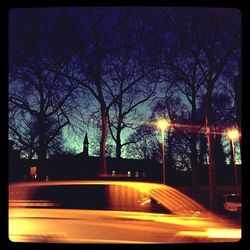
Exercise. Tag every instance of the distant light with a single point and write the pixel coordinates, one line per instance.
(233, 134)
(163, 124)
(219, 233)
(224, 233)
(33, 172)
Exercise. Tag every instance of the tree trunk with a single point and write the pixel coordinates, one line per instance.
(118, 144)
(211, 172)
(169, 159)
(194, 164)
(103, 168)
(211, 155)
(194, 160)
(220, 156)
(42, 150)
(203, 150)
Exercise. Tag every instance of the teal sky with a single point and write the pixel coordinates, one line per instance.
(74, 141)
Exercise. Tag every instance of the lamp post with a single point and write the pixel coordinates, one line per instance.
(163, 125)
(233, 134)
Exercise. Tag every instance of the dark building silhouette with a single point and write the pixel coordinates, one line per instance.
(83, 166)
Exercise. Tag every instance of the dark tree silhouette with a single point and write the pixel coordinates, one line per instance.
(97, 49)
(91, 35)
(133, 81)
(116, 56)
(38, 95)
(211, 36)
(143, 143)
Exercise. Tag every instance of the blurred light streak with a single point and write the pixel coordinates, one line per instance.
(224, 233)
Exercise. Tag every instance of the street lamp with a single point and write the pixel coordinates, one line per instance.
(163, 125)
(232, 135)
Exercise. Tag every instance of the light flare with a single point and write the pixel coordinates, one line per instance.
(233, 134)
(163, 124)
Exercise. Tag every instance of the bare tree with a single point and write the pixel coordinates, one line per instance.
(38, 99)
(211, 35)
(130, 89)
(172, 108)
(97, 40)
(91, 34)
(183, 72)
(144, 144)
(38, 95)
(234, 90)
(217, 55)
(24, 134)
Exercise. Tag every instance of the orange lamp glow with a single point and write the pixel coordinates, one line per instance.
(163, 124)
(233, 134)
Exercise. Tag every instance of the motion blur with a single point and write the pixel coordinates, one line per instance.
(111, 212)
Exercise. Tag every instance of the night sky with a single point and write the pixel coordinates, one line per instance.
(42, 34)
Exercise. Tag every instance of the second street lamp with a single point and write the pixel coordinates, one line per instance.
(163, 125)
(233, 134)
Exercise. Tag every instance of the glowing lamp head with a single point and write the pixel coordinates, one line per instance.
(233, 134)
(163, 124)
